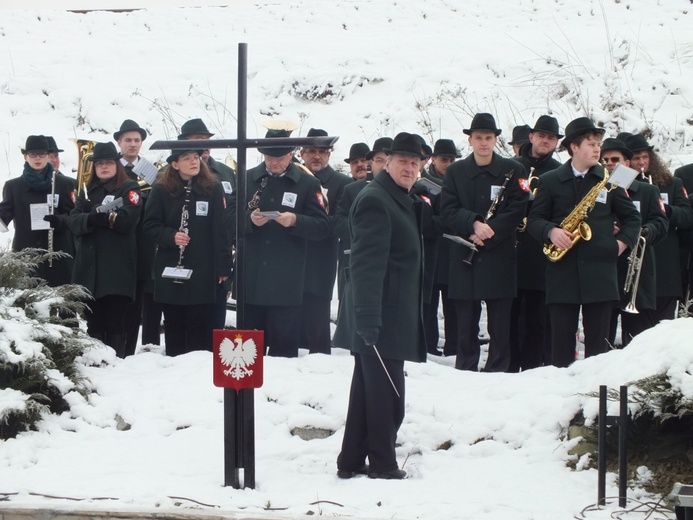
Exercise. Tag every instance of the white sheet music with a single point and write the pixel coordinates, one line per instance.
(37, 212)
(146, 170)
(622, 176)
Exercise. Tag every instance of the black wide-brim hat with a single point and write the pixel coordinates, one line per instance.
(483, 122)
(380, 145)
(130, 126)
(175, 154)
(104, 152)
(638, 143)
(578, 127)
(445, 148)
(520, 135)
(36, 143)
(317, 132)
(276, 151)
(194, 127)
(406, 144)
(357, 150)
(426, 150)
(618, 145)
(52, 145)
(547, 125)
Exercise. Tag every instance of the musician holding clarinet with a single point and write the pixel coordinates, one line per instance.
(185, 217)
(483, 200)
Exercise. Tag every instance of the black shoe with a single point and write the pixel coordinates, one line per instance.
(435, 352)
(395, 474)
(343, 473)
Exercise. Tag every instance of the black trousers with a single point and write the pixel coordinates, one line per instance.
(564, 319)
(280, 324)
(146, 311)
(151, 319)
(666, 308)
(634, 324)
(374, 415)
(315, 324)
(528, 330)
(219, 313)
(133, 317)
(106, 321)
(430, 319)
(498, 325)
(187, 328)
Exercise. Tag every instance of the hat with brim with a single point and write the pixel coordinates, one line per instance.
(578, 127)
(547, 125)
(426, 150)
(130, 126)
(194, 127)
(623, 136)
(175, 154)
(276, 151)
(52, 145)
(406, 144)
(356, 151)
(36, 143)
(445, 148)
(638, 143)
(612, 144)
(520, 135)
(380, 145)
(317, 132)
(104, 152)
(483, 122)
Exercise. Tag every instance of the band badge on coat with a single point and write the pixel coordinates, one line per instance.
(665, 198)
(134, 197)
(601, 197)
(495, 190)
(227, 187)
(56, 199)
(289, 199)
(637, 205)
(107, 199)
(201, 208)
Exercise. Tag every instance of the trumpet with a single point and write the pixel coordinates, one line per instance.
(533, 192)
(635, 260)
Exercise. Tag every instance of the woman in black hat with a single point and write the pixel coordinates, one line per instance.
(104, 222)
(184, 216)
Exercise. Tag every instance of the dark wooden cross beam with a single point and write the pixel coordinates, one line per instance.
(239, 425)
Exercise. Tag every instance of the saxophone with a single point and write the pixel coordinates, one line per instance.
(575, 221)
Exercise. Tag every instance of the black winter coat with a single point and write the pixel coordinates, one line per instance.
(466, 198)
(106, 261)
(587, 273)
(340, 227)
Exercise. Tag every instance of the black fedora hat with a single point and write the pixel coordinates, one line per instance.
(406, 144)
(36, 143)
(638, 143)
(276, 151)
(445, 148)
(193, 127)
(520, 135)
(618, 145)
(130, 126)
(548, 125)
(623, 136)
(175, 154)
(483, 122)
(104, 152)
(380, 145)
(425, 149)
(52, 145)
(578, 127)
(357, 150)
(317, 132)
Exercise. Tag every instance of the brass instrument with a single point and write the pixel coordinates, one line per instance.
(85, 149)
(533, 192)
(575, 223)
(635, 260)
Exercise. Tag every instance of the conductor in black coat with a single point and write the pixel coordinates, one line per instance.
(586, 276)
(470, 188)
(382, 322)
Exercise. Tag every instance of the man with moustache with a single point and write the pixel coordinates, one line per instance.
(381, 322)
(358, 164)
(654, 227)
(471, 188)
(585, 279)
(321, 266)
(529, 319)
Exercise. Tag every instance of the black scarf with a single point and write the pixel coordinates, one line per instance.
(38, 180)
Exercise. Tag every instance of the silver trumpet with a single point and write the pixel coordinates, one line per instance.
(635, 261)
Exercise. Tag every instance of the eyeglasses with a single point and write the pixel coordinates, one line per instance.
(316, 151)
(34, 155)
(612, 159)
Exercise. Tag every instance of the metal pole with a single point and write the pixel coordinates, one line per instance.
(623, 448)
(601, 443)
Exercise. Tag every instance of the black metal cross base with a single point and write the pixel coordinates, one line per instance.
(239, 407)
(621, 421)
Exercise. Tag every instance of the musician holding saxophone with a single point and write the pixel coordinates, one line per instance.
(573, 214)
(33, 192)
(483, 201)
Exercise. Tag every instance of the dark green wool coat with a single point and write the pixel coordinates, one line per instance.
(587, 273)
(340, 227)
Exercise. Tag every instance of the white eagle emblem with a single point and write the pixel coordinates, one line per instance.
(238, 357)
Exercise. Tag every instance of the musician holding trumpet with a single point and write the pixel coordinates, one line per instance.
(573, 214)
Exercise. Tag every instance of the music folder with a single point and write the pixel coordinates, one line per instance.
(177, 273)
(622, 176)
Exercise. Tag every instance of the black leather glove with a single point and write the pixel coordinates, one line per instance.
(369, 335)
(645, 232)
(54, 220)
(87, 206)
(98, 219)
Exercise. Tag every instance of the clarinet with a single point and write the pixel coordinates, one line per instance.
(51, 231)
(491, 211)
(184, 215)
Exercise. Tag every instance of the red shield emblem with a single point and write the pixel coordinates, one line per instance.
(321, 199)
(134, 197)
(661, 206)
(426, 200)
(524, 184)
(73, 196)
(685, 193)
(238, 358)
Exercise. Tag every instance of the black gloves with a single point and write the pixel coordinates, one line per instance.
(644, 232)
(98, 220)
(87, 206)
(369, 335)
(54, 220)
